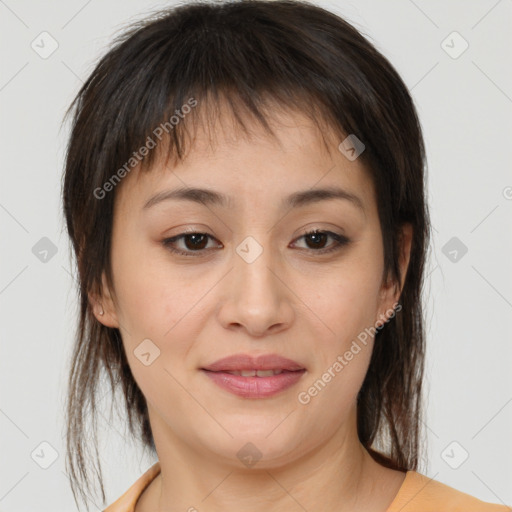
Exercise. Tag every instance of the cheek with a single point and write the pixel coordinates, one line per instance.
(348, 308)
(144, 286)
(348, 300)
(347, 305)
(157, 303)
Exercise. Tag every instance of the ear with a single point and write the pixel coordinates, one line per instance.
(390, 291)
(102, 302)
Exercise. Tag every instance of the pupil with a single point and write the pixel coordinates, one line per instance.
(194, 239)
(319, 237)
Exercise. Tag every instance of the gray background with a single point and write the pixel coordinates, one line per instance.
(465, 106)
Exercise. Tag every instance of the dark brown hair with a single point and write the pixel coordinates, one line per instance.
(255, 55)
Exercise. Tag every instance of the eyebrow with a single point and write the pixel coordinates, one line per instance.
(295, 200)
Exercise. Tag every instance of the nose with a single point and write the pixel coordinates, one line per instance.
(256, 297)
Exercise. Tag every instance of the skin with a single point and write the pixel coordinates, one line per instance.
(291, 300)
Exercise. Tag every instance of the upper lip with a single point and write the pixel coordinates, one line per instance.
(247, 362)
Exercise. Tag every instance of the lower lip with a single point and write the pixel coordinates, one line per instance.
(255, 387)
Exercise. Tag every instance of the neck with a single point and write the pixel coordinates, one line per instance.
(339, 476)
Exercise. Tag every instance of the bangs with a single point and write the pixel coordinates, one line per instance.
(174, 135)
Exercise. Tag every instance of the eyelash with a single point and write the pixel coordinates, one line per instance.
(340, 240)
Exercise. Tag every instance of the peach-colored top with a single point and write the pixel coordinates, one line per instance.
(418, 493)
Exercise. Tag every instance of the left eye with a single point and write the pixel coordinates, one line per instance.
(197, 242)
(318, 238)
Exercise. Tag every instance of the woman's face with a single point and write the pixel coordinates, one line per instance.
(252, 285)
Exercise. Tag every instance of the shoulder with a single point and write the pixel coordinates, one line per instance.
(126, 503)
(420, 493)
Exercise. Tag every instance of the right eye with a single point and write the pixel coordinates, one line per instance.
(194, 242)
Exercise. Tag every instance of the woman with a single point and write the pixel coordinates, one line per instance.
(244, 191)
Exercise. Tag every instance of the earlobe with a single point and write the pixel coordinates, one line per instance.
(103, 306)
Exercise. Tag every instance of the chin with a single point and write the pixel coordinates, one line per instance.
(256, 444)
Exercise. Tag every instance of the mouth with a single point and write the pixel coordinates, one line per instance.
(254, 377)
(255, 373)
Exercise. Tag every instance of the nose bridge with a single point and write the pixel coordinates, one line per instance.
(253, 261)
(258, 300)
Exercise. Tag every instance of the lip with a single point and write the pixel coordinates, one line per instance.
(254, 387)
(240, 362)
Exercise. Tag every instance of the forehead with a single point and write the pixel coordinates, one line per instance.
(250, 165)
